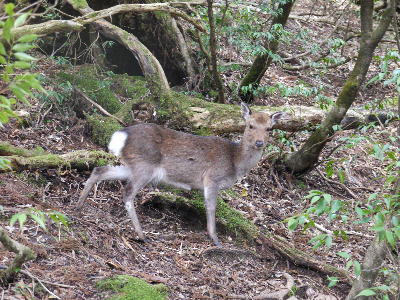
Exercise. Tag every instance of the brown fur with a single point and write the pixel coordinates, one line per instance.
(152, 153)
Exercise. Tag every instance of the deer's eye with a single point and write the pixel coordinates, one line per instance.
(251, 126)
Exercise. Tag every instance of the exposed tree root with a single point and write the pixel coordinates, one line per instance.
(301, 258)
(24, 254)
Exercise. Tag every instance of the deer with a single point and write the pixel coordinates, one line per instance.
(153, 154)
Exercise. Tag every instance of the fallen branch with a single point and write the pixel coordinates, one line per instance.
(24, 254)
(99, 107)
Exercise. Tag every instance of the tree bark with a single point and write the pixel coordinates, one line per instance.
(213, 53)
(304, 159)
(262, 62)
(374, 257)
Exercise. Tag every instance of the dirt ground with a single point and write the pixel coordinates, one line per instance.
(100, 241)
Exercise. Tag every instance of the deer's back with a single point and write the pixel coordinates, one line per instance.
(184, 157)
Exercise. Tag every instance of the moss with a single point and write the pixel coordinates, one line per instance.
(102, 128)
(203, 131)
(132, 288)
(129, 86)
(232, 221)
(7, 149)
(94, 85)
(79, 4)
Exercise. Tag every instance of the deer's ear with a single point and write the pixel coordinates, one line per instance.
(246, 112)
(275, 117)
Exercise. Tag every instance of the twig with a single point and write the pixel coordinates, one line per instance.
(323, 229)
(99, 107)
(338, 183)
(45, 281)
(41, 283)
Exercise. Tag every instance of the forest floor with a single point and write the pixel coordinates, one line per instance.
(100, 240)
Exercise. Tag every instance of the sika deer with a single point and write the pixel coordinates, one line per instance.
(152, 153)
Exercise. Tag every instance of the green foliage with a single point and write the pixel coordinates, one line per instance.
(14, 61)
(132, 288)
(381, 211)
(39, 217)
(392, 78)
(285, 91)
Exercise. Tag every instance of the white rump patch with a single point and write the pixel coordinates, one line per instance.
(117, 142)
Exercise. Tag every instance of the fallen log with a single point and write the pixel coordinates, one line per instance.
(79, 160)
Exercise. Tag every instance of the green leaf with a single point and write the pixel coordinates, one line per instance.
(2, 60)
(328, 241)
(19, 93)
(2, 49)
(59, 218)
(366, 292)
(9, 9)
(20, 217)
(390, 238)
(22, 64)
(39, 219)
(359, 211)
(345, 255)
(27, 38)
(357, 268)
(6, 33)
(21, 20)
(332, 281)
(315, 199)
(383, 287)
(292, 223)
(22, 47)
(336, 205)
(24, 56)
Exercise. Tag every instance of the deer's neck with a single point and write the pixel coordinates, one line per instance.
(246, 158)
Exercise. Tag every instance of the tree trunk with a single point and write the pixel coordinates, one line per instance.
(150, 66)
(262, 62)
(371, 267)
(305, 159)
(213, 53)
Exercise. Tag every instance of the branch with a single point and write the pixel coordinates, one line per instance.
(47, 28)
(309, 65)
(24, 254)
(99, 107)
(164, 7)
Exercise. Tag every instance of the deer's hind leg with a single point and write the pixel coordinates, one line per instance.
(141, 176)
(100, 174)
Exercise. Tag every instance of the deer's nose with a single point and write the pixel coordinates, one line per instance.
(259, 144)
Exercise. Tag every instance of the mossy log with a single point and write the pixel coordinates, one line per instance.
(6, 150)
(228, 219)
(80, 160)
(24, 254)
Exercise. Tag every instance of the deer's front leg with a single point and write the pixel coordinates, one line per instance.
(210, 197)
